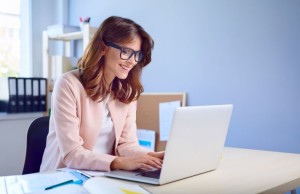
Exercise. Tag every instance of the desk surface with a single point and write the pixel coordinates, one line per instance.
(242, 171)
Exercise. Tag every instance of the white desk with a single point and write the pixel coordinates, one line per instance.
(242, 171)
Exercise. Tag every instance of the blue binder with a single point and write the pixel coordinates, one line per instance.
(12, 88)
(28, 95)
(35, 94)
(43, 94)
(21, 94)
(4, 95)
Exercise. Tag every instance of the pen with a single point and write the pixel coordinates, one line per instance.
(83, 174)
(59, 184)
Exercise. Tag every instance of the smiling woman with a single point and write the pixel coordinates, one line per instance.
(120, 48)
(93, 117)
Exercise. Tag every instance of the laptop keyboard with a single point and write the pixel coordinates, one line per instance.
(151, 174)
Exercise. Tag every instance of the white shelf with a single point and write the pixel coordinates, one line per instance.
(85, 35)
(74, 35)
(68, 36)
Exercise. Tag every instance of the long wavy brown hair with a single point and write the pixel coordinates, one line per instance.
(91, 64)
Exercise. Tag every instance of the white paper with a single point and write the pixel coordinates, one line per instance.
(66, 189)
(111, 186)
(166, 112)
(146, 138)
(93, 173)
(36, 182)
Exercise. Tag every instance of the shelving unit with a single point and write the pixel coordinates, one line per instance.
(85, 35)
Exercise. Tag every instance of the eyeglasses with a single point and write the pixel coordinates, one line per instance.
(127, 53)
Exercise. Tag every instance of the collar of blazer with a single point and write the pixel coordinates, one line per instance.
(119, 113)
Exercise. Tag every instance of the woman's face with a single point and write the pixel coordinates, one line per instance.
(114, 66)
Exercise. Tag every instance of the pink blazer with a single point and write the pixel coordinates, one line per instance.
(75, 124)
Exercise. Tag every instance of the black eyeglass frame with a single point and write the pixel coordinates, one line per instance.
(133, 52)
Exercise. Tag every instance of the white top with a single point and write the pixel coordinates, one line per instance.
(106, 139)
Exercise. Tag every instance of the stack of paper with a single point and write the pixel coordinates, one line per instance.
(66, 182)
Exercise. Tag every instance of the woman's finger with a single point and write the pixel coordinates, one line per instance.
(145, 166)
(154, 162)
(159, 155)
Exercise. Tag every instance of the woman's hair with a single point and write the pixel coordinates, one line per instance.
(91, 64)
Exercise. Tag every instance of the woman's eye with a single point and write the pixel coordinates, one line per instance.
(127, 51)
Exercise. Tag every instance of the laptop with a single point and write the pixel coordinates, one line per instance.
(195, 145)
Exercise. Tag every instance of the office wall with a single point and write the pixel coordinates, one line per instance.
(242, 52)
(13, 131)
(43, 14)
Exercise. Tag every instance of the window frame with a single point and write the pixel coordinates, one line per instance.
(25, 39)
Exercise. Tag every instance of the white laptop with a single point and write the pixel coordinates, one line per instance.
(195, 145)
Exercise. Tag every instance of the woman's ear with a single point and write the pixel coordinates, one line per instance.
(104, 48)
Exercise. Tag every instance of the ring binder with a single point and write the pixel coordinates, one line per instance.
(12, 87)
(21, 94)
(4, 95)
(35, 95)
(43, 94)
(28, 95)
(24, 95)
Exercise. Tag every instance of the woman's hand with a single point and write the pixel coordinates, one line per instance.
(148, 162)
(157, 154)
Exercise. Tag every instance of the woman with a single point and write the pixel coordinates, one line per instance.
(93, 111)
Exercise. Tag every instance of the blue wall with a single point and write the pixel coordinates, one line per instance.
(242, 52)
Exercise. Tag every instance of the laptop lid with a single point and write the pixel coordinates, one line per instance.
(196, 141)
(195, 144)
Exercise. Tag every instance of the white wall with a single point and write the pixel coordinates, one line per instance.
(45, 13)
(241, 52)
